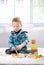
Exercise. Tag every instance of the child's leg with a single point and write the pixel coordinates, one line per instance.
(8, 51)
(24, 50)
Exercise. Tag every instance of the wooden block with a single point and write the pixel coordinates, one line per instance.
(33, 41)
(34, 50)
(13, 54)
(34, 46)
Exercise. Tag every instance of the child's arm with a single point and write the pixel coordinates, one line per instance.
(10, 40)
(23, 44)
(19, 47)
(25, 37)
(24, 41)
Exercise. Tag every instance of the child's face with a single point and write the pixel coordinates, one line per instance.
(16, 26)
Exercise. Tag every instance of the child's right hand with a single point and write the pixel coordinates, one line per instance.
(13, 48)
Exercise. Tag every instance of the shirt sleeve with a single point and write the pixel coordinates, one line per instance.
(25, 37)
(10, 40)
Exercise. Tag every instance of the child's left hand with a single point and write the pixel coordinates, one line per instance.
(19, 47)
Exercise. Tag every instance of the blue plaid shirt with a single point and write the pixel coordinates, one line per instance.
(17, 39)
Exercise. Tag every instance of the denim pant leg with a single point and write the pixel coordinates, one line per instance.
(24, 50)
(8, 51)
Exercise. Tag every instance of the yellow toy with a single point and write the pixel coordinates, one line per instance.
(34, 48)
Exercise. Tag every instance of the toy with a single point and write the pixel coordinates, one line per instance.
(34, 48)
(19, 55)
(16, 52)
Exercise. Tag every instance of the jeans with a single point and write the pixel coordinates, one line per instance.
(23, 50)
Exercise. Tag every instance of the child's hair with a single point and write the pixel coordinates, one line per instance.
(16, 19)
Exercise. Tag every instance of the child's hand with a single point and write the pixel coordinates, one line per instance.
(13, 48)
(19, 47)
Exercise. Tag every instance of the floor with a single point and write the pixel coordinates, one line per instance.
(9, 60)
